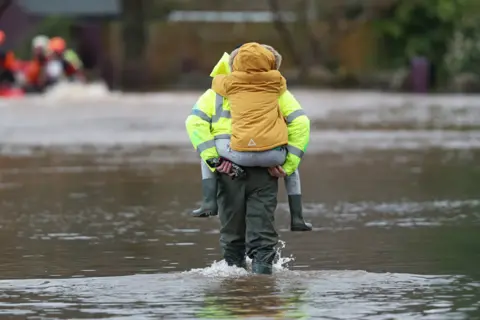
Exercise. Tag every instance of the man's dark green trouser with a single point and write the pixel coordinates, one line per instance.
(246, 210)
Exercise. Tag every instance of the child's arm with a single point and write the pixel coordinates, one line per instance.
(198, 126)
(298, 126)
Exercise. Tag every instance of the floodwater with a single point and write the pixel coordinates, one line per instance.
(95, 191)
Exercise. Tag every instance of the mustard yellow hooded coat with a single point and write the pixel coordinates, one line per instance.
(253, 89)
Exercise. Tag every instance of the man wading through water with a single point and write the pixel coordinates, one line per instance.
(268, 128)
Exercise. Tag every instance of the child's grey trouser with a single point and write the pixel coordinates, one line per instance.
(270, 158)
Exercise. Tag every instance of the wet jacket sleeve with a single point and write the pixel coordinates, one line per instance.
(198, 126)
(298, 126)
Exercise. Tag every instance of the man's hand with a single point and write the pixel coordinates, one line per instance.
(277, 172)
(225, 167)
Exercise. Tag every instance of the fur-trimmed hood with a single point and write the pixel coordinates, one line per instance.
(224, 65)
(276, 55)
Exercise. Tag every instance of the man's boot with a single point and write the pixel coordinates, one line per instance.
(235, 258)
(241, 263)
(209, 203)
(296, 214)
(261, 267)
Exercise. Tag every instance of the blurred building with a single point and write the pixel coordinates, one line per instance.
(180, 40)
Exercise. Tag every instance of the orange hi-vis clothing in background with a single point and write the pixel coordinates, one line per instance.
(7, 61)
(34, 72)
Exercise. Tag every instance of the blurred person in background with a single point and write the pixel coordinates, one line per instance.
(40, 47)
(36, 78)
(52, 61)
(8, 66)
(71, 64)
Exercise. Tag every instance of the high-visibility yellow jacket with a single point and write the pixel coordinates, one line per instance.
(210, 119)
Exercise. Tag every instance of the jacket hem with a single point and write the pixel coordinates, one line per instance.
(258, 149)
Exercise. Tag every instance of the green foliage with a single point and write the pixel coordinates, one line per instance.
(421, 28)
(464, 49)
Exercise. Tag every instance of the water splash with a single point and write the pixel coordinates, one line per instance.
(281, 263)
(68, 91)
(220, 269)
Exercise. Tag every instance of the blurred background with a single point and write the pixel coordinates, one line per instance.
(401, 45)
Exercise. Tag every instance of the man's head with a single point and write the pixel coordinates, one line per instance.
(57, 46)
(40, 42)
(253, 55)
(222, 66)
(40, 47)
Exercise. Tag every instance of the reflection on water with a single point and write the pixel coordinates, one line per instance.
(94, 223)
(288, 295)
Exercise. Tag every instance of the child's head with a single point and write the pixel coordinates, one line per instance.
(255, 57)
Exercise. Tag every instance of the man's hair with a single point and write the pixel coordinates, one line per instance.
(278, 56)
